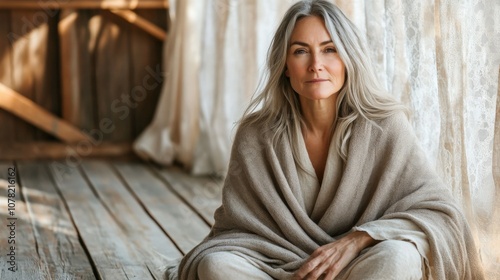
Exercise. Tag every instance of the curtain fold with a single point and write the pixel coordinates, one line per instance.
(213, 59)
(439, 57)
(174, 131)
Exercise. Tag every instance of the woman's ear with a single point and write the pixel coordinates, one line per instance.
(287, 74)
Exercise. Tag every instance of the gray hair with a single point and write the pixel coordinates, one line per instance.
(360, 96)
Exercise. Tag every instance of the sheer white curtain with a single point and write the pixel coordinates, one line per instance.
(442, 59)
(439, 57)
(214, 55)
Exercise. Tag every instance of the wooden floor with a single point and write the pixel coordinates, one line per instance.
(99, 219)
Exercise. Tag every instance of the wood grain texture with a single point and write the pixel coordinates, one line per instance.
(56, 237)
(113, 78)
(109, 246)
(101, 219)
(85, 4)
(28, 263)
(76, 48)
(73, 153)
(202, 193)
(145, 51)
(8, 123)
(147, 238)
(181, 223)
(31, 112)
(5, 48)
(101, 60)
(34, 73)
(22, 76)
(44, 66)
(133, 18)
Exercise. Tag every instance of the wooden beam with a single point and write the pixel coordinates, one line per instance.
(29, 111)
(142, 23)
(53, 150)
(84, 4)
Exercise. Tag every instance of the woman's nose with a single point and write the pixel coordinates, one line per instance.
(316, 64)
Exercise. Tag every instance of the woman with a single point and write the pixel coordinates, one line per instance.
(326, 179)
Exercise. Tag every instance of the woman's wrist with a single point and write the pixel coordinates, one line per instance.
(363, 240)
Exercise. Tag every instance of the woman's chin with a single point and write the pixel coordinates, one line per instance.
(318, 95)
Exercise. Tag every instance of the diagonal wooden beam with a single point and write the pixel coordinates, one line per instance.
(142, 23)
(29, 111)
(84, 4)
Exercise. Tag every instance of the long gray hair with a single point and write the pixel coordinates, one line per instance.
(361, 95)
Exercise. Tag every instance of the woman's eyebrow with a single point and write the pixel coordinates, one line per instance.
(307, 45)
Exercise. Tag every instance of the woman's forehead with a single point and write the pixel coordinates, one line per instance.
(310, 29)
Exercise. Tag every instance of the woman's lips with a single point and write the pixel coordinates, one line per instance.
(317, 81)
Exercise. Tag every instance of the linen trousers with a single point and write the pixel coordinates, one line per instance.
(389, 259)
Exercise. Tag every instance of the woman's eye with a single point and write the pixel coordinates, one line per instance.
(331, 50)
(299, 51)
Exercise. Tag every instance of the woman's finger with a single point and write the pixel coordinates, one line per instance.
(332, 272)
(321, 268)
(319, 260)
(307, 267)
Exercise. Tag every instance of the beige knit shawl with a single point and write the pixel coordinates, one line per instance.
(386, 177)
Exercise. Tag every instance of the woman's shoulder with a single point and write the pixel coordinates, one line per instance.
(394, 125)
(394, 121)
(252, 127)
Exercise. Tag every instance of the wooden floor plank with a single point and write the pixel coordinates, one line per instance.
(122, 215)
(203, 193)
(54, 232)
(181, 223)
(111, 249)
(26, 262)
(56, 150)
(142, 231)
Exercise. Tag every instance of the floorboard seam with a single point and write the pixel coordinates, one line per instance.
(127, 186)
(173, 190)
(80, 239)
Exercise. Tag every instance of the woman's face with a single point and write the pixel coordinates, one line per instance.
(313, 64)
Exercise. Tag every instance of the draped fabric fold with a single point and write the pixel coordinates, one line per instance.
(439, 57)
(386, 178)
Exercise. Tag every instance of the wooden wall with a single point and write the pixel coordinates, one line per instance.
(85, 66)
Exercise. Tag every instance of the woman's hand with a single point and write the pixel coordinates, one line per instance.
(328, 260)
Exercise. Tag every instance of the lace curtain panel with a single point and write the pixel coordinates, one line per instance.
(441, 58)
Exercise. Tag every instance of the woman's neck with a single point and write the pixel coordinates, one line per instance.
(319, 116)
